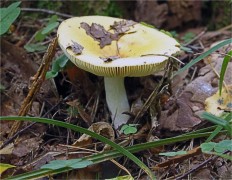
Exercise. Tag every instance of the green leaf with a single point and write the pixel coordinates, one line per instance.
(188, 37)
(207, 147)
(205, 54)
(62, 60)
(226, 144)
(51, 74)
(57, 65)
(225, 156)
(49, 28)
(219, 121)
(53, 19)
(173, 153)
(128, 129)
(8, 16)
(34, 47)
(220, 147)
(72, 163)
(225, 63)
(39, 36)
(4, 167)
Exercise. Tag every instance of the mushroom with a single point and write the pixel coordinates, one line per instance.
(135, 50)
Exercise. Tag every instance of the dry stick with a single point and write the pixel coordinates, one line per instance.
(196, 168)
(152, 96)
(195, 38)
(225, 28)
(37, 83)
(46, 11)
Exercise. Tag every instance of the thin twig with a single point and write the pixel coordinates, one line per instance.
(152, 96)
(225, 28)
(197, 37)
(46, 11)
(36, 84)
(197, 167)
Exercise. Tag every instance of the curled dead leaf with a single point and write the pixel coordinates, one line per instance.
(122, 26)
(102, 128)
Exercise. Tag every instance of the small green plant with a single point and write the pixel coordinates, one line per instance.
(41, 35)
(4, 167)
(8, 16)
(57, 66)
(222, 146)
(129, 129)
(72, 111)
(218, 148)
(188, 37)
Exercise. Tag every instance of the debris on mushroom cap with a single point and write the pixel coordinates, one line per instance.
(122, 26)
(217, 104)
(76, 48)
(98, 33)
(109, 59)
(138, 40)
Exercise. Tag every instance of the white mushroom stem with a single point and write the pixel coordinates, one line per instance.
(116, 99)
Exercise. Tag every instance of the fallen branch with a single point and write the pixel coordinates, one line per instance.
(38, 80)
(46, 11)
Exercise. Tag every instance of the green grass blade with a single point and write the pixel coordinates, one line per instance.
(90, 133)
(219, 121)
(205, 54)
(214, 133)
(225, 63)
(104, 156)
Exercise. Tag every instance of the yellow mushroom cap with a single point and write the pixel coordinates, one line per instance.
(136, 50)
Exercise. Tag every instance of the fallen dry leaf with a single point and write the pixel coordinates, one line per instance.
(179, 158)
(86, 117)
(7, 150)
(26, 145)
(76, 48)
(123, 26)
(98, 33)
(102, 128)
(104, 37)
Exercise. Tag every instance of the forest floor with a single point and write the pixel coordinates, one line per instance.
(179, 102)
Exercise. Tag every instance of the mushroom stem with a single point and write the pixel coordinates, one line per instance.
(116, 99)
